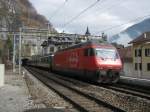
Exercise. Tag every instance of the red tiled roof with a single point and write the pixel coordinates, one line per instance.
(142, 38)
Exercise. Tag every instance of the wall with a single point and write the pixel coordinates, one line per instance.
(144, 60)
(128, 69)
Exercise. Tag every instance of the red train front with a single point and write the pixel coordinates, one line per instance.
(90, 60)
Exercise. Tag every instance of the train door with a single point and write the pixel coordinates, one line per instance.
(88, 61)
(86, 58)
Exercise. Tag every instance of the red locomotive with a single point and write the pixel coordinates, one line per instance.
(91, 60)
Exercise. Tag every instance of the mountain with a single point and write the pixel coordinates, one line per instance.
(131, 33)
(30, 17)
(16, 13)
(13, 15)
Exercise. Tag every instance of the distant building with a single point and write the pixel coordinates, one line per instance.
(118, 46)
(126, 58)
(87, 33)
(141, 55)
(64, 40)
(104, 36)
(58, 41)
(31, 46)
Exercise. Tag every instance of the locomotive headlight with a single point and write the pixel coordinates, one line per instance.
(103, 72)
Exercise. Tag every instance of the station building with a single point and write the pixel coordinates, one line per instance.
(141, 56)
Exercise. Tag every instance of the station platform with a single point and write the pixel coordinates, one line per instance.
(14, 95)
(135, 81)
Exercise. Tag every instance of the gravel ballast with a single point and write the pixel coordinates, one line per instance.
(42, 94)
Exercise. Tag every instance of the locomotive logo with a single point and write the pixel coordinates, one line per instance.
(73, 59)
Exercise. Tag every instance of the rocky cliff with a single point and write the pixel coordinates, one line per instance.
(30, 16)
(15, 13)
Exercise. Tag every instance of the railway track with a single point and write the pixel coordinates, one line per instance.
(139, 91)
(80, 99)
(134, 90)
(130, 89)
(125, 88)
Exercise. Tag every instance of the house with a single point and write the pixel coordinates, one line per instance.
(57, 42)
(31, 46)
(141, 55)
(63, 40)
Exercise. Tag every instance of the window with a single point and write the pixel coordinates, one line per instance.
(135, 52)
(89, 52)
(136, 66)
(107, 53)
(52, 49)
(138, 52)
(148, 66)
(140, 66)
(147, 52)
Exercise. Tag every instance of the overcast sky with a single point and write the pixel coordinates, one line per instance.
(104, 15)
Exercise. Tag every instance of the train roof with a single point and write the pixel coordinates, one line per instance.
(40, 56)
(90, 42)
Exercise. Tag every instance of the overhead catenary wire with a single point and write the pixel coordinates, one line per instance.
(102, 9)
(58, 9)
(83, 11)
(116, 26)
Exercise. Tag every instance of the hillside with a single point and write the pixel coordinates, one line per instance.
(13, 15)
(30, 17)
(132, 32)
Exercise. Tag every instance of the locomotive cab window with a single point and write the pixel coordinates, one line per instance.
(107, 53)
(89, 52)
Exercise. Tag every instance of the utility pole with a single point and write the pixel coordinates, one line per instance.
(48, 29)
(47, 49)
(14, 53)
(20, 42)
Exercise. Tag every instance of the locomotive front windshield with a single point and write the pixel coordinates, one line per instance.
(106, 53)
